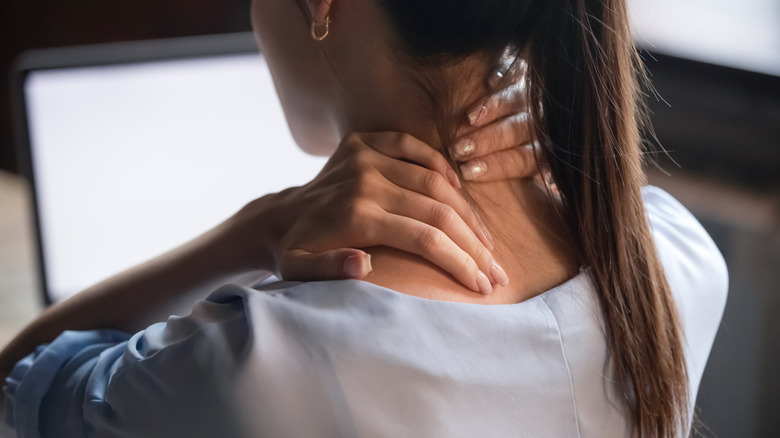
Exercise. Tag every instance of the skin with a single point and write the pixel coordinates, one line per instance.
(346, 77)
(306, 232)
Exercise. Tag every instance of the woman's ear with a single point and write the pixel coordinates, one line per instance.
(319, 10)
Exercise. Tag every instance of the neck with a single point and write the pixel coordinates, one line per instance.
(527, 245)
(516, 213)
(383, 96)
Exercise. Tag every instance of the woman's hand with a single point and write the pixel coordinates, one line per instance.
(386, 189)
(379, 189)
(372, 211)
(498, 143)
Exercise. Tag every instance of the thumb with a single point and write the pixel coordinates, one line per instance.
(302, 265)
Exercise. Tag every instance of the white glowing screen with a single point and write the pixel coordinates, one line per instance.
(737, 33)
(133, 160)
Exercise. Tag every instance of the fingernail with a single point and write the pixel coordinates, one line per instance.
(495, 78)
(473, 169)
(464, 147)
(358, 265)
(483, 283)
(453, 177)
(498, 274)
(476, 116)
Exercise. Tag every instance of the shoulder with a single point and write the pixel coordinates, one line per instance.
(692, 261)
(181, 369)
(321, 307)
(695, 270)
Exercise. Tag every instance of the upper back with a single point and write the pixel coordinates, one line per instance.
(349, 358)
(361, 360)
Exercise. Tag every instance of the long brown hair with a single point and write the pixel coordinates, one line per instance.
(584, 77)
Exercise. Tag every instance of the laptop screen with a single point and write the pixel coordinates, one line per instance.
(741, 34)
(131, 159)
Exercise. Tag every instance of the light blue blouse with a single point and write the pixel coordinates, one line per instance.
(352, 359)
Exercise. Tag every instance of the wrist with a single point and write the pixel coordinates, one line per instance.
(258, 229)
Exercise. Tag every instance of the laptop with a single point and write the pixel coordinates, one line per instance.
(132, 149)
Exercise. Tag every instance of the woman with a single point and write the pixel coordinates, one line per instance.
(599, 300)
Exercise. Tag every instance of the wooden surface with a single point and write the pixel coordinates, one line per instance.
(19, 300)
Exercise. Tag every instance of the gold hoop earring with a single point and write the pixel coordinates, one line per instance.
(314, 26)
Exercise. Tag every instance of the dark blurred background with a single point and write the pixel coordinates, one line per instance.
(31, 24)
(719, 121)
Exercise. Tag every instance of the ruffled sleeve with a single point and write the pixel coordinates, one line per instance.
(72, 354)
(172, 379)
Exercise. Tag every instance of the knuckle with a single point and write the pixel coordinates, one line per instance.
(515, 93)
(318, 266)
(398, 140)
(363, 186)
(503, 139)
(521, 163)
(467, 265)
(507, 168)
(437, 160)
(360, 166)
(357, 211)
(352, 214)
(433, 182)
(326, 264)
(495, 103)
(355, 223)
(405, 141)
(482, 255)
(351, 138)
(521, 125)
(442, 215)
(362, 155)
(352, 142)
(430, 240)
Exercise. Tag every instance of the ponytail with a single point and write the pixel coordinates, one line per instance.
(583, 75)
(587, 68)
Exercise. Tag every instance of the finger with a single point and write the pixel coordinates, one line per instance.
(302, 265)
(509, 65)
(446, 219)
(509, 100)
(518, 162)
(434, 245)
(432, 185)
(510, 68)
(406, 147)
(500, 135)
